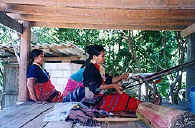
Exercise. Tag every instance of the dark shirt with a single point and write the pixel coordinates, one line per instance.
(93, 79)
(41, 75)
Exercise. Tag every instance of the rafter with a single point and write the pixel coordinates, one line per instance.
(101, 13)
(189, 30)
(107, 20)
(3, 6)
(130, 4)
(102, 26)
(11, 23)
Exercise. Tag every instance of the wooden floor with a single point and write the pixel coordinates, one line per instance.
(31, 115)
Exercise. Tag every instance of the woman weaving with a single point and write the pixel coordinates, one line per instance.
(94, 78)
(95, 81)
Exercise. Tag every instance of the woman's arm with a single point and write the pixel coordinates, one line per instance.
(119, 78)
(115, 86)
(30, 85)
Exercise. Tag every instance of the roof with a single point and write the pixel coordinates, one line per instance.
(104, 14)
(55, 52)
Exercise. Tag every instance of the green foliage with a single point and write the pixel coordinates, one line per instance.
(126, 51)
(7, 35)
(44, 35)
(163, 87)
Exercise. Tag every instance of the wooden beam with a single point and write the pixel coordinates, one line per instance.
(101, 13)
(155, 19)
(111, 26)
(3, 6)
(189, 30)
(62, 59)
(11, 23)
(130, 4)
(24, 53)
(106, 20)
(115, 17)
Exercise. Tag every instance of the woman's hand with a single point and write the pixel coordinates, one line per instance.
(124, 76)
(119, 78)
(118, 88)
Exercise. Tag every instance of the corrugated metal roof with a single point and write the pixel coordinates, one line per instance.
(53, 52)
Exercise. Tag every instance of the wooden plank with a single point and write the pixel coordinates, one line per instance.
(24, 116)
(34, 13)
(115, 119)
(10, 86)
(189, 30)
(130, 124)
(110, 26)
(112, 14)
(59, 124)
(6, 115)
(11, 23)
(107, 20)
(24, 53)
(39, 121)
(115, 12)
(133, 124)
(13, 110)
(133, 4)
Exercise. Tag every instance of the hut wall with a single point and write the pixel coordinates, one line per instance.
(10, 85)
(60, 72)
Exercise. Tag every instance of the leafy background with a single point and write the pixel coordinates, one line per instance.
(126, 50)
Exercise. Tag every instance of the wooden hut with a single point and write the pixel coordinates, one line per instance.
(21, 15)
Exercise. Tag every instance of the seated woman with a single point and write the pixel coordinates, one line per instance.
(94, 75)
(75, 81)
(38, 81)
(95, 80)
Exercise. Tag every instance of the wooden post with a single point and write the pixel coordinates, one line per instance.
(189, 32)
(24, 53)
(190, 74)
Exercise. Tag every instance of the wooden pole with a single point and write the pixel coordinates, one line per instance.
(190, 72)
(24, 53)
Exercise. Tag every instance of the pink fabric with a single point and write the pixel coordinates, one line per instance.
(71, 86)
